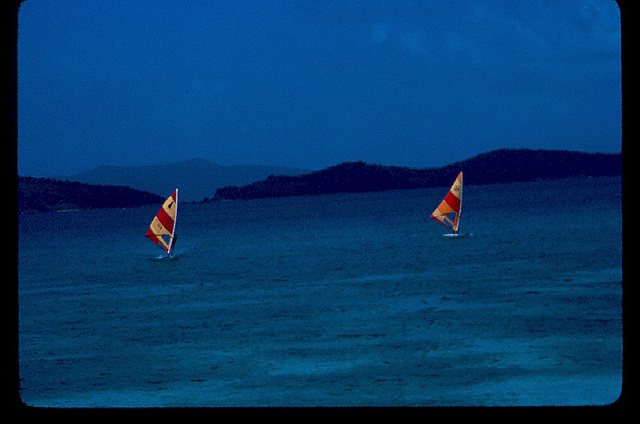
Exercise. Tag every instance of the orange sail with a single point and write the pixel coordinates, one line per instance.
(163, 227)
(450, 205)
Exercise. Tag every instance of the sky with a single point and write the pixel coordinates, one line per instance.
(310, 84)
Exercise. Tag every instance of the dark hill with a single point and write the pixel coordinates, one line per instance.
(45, 194)
(510, 165)
(498, 166)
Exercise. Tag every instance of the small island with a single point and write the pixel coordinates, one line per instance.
(46, 195)
(498, 166)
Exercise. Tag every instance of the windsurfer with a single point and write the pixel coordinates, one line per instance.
(173, 245)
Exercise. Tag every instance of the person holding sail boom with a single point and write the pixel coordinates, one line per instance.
(173, 245)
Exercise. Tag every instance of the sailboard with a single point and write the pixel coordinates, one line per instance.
(162, 230)
(448, 211)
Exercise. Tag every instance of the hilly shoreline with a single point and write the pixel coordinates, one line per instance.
(50, 195)
(498, 166)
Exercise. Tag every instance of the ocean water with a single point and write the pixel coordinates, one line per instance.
(337, 300)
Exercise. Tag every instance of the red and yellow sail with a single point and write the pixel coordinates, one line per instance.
(162, 228)
(450, 205)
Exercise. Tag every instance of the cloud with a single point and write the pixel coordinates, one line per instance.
(264, 76)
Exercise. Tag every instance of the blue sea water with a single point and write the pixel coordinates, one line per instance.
(336, 300)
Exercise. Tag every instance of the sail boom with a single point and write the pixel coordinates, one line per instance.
(444, 220)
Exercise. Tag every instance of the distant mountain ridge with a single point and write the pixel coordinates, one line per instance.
(196, 178)
(498, 166)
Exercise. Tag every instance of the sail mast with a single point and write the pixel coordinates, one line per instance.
(459, 213)
(459, 209)
(175, 219)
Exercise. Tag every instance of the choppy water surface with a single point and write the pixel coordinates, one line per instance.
(342, 300)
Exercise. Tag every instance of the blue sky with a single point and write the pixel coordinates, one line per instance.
(312, 84)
